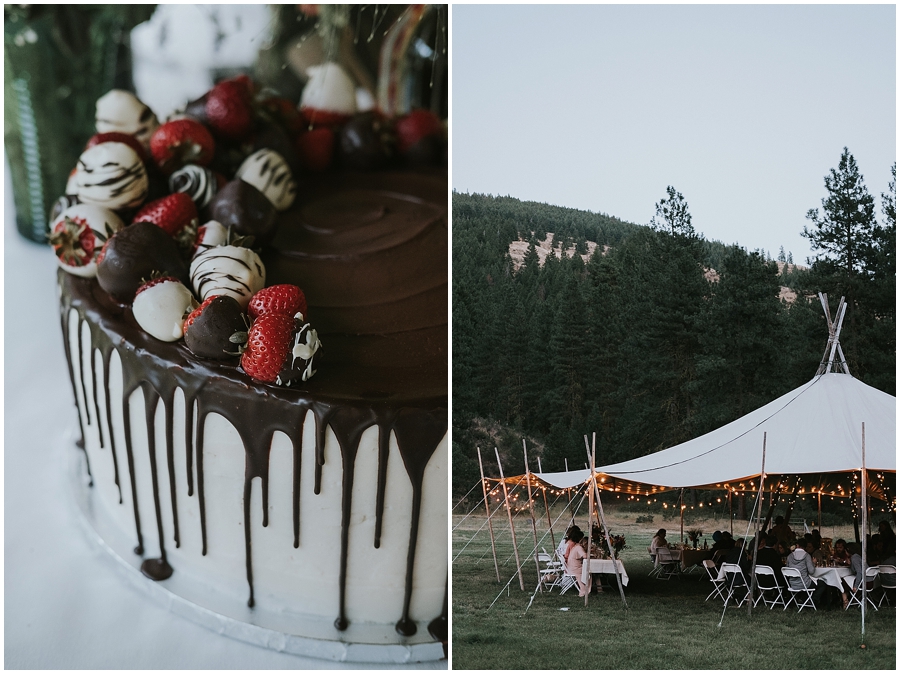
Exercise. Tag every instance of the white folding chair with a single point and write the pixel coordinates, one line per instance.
(718, 583)
(734, 580)
(567, 580)
(856, 594)
(805, 593)
(887, 573)
(669, 564)
(767, 581)
(653, 558)
(551, 571)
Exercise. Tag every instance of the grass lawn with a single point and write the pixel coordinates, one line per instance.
(667, 625)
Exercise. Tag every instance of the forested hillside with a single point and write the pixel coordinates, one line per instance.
(638, 344)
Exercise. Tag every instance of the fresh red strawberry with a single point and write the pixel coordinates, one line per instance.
(116, 137)
(180, 142)
(73, 242)
(229, 108)
(269, 344)
(415, 126)
(316, 148)
(283, 299)
(316, 117)
(155, 282)
(176, 214)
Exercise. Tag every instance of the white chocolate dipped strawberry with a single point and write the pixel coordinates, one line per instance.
(78, 234)
(329, 96)
(228, 270)
(161, 306)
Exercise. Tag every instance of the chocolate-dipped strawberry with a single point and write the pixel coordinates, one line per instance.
(245, 210)
(280, 349)
(77, 235)
(123, 112)
(160, 306)
(133, 254)
(111, 175)
(198, 182)
(60, 205)
(228, 270)
(210, 328)
(365, 142)
(268, 172)
(210, 235)
(329, 97)
(419, 138)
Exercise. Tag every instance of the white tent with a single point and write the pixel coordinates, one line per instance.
(816, 428)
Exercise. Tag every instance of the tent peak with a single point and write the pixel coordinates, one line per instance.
(833, 348)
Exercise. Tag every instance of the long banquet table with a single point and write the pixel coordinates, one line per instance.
(603, 566)
(832, 575)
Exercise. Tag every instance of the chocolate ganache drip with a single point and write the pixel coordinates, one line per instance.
(375, 278)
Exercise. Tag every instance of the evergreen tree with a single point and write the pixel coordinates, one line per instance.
(672, 214)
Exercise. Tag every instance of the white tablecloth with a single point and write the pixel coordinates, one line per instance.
(832, 575)
(603, 566)
(66, 604)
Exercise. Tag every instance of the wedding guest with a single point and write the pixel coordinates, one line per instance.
(799, 559)
(781, 530)
(659, 541)
(768, 556)
(575, 562)
(841, 555)
(781, 547)
(813, 550)
(888, 537)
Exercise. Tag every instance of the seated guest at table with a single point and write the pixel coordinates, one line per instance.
(875, 551)
(768, 556)
(659, 541)
(781, 530)
(740, 555)
(856, 568)
(725, 542)
(814, 552)
(799, 559)
(575, 562)
(567, 543)
(841, 555)
(782, 548)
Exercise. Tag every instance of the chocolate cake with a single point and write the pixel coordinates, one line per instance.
(323, 502)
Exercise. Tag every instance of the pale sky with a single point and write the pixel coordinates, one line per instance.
(743, 109)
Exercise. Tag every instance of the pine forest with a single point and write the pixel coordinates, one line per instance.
(568, 322)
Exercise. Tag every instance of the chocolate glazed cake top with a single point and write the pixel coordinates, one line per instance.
(370, 252)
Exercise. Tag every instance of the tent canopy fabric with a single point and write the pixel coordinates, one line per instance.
(816, 428)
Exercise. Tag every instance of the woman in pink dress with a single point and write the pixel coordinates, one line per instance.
(575, 561)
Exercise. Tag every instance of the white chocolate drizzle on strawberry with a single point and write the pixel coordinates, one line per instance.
(228, 270)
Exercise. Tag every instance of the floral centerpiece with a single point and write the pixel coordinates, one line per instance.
(618, 541)
(694, 537)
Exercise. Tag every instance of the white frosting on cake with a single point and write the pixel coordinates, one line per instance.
(298, 582)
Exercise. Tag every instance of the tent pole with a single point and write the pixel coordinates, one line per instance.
(681, 499)
(487, 506)
(864, 517)
(537, 564)
(547, 508)
(609, 545)
(820, 508)
(512, 527)
(590, 527)
(762, 479)
(730, 513)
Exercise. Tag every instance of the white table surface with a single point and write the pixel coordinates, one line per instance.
(603, 566)
(832, 575)
(65, 603)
